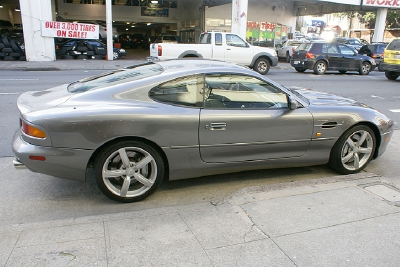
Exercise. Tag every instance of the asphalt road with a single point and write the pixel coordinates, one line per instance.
(35, 197)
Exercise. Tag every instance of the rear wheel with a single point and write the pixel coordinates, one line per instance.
(320, 67)
(365, 68)
(262, 66)
(287, 57)
(128, 171)
(353, 150)
(392, 75)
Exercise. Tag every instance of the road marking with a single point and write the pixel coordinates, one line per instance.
(394, 110)
(19, 79)
(375, 96)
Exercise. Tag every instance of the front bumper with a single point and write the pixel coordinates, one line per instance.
(64, 163)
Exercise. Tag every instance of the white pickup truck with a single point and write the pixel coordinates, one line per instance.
(222, 46)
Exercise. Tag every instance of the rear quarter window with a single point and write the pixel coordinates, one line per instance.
(394, 45)
(304, 46)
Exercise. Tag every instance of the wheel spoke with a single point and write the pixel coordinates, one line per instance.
(349, 156)
(365, 150)
(143, 162)
(124, 157)
(141, 179)
(113, 173)
(350, 142)
(362, 138)
(356, 161)
(125, 186)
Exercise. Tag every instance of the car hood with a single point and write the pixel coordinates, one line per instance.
(259, 49)
(317, 98)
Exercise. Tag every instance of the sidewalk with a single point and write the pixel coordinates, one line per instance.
(134, 57)
(343, 220)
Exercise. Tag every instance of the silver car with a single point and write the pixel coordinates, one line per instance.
(177, 119)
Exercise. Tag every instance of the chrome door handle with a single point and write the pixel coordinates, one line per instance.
(216, 126)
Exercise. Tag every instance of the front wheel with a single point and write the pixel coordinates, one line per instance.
(365, 68)
(392, 75)
(128, 171)
(353, 150)
(320, 67)
(115, 55)
(262, 66)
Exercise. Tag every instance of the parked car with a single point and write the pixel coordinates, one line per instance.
(353, 42)
(183, 118)
(391, 60)
(286, 49)
(86, 49)
(322, 57)
(375, 51)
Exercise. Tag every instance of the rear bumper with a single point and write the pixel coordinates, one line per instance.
(303, 64)
(60, 162)
(389, 67)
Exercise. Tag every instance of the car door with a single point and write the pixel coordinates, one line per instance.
(333, 55)
(349, 61)
(237, 50)
(245, 118)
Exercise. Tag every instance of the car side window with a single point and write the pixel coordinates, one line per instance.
(218, 39)
(186, 91)
(346, 50)
(241, 92)
(330, 49)
(234, 40)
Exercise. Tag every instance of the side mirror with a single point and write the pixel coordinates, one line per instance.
(292, 103)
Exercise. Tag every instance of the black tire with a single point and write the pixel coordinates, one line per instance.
(320, 67)
(90, 47)
(22, 58)
(74, 53)
(150, 174)
(15, 55)
(98, 51)
(262, 66)
(81, 57)
(342, 71)
(2, 54)
(391, 75)
(97, 57)
(82, 49)
(9, 58)
(300, 69)
(7, 50)
(2, 45)
(348, 158)
(67, 57)
(287, 57)
(15, 46)
(6, 41)
(365, 68)
(88, 53)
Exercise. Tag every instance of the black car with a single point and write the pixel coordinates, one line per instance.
(375, 51)
(86, 49)
(321, 57)
(353, 42)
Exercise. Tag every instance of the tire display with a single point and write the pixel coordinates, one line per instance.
(10, 50)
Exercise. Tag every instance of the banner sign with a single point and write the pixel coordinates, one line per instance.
(382, 3)
(63, 29)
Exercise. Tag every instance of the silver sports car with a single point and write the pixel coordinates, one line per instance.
(177, 119)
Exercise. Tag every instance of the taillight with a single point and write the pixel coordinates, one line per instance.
(159, 51)
(383, 55)
(310, 55)
(374, 56)
(31, 130)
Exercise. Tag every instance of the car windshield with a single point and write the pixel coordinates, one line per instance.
(116, 77)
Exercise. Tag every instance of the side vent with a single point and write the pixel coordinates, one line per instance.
(329, 125)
